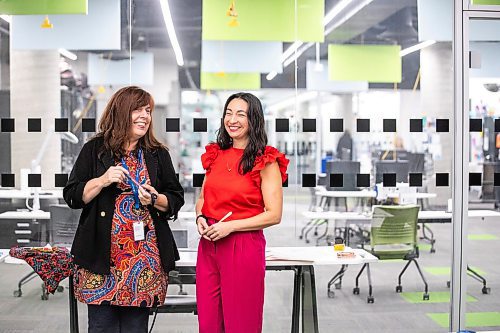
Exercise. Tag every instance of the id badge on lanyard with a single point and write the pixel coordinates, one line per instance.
(138, 226)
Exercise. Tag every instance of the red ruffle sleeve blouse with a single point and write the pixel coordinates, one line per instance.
(226, 190)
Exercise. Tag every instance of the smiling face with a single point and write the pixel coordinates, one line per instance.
(141, 119)
(236, 121)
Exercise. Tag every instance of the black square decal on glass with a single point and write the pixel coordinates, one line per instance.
(497, 125)
(363, 180)
(474, 179)
(34, 124)
(496, 179)
(442, 179)
(172, 125)
(336, 180)
(363, 125)
(416, 125)
(442, 125)
(308, 180)
(475, 125)
(309, 125)
(8, 180)
(198, 179)
(389, 179)
(7, 125)
(337, 125)
(61, 124)
(415, 179)
(34, 180)
(200, 124)
(389, 125)
(282, 125)
(285, 183)
(88, 125)
(60, 179)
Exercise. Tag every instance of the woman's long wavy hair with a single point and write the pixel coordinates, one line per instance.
(257, 137)
(116, 121)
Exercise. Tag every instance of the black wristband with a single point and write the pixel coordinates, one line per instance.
(154, 196)
(201, 215)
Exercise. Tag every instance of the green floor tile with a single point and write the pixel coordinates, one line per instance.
(482, 237)
(424, 247)
(434, 297)
(446, 271)
(475, 319)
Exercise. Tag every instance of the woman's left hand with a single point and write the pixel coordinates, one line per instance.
(145, 191)
(219, 230)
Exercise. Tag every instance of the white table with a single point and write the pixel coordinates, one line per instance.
(367, 194)
(24, 194)
(424, 216)
(301, 260)
(25, 215)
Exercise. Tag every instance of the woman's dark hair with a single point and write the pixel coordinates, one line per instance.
(115, 122)
(257, 138)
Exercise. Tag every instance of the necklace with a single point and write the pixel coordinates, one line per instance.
(227, 167)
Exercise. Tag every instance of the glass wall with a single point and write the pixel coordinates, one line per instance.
(357, 94)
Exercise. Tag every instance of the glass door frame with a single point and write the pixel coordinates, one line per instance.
(464, 12)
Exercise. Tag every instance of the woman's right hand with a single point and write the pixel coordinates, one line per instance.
(201, 224)
(115, 174)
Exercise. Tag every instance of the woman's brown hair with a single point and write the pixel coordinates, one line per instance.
(115, 122)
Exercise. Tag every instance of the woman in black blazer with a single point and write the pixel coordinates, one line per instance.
(126, 184)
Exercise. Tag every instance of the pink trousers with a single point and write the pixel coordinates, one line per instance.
(230, 283)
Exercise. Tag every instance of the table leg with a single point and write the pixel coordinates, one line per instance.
(73, 308)
(297, 282)
(309, 305)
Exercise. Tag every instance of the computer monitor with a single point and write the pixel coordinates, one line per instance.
(416, 162)
(349, 170)
(391, 155)
(400, 168)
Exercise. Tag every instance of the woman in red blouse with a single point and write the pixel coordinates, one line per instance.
(244, 177)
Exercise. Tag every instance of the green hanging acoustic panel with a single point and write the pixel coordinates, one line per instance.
(43, 7)
(486, 2)
(372, 63)
(230, 81)
(263, 20)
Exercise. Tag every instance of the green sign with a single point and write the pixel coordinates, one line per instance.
(230, 81)
(372, 63)
(264, 20)
(42, 7)
(486, 2)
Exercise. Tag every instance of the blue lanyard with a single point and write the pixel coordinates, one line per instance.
(133, 186)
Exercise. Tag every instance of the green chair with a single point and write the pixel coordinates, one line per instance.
(393, 235)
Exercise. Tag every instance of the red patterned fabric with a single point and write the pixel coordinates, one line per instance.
(226, 190)
(52, 265)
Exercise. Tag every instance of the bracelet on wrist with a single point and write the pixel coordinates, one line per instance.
(201, 215)
(154, 197)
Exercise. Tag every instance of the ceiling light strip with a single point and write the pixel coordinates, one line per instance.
(68, 54)
(167, 17)
(417, 47)
(347, 16)
(335, 11)
(6, 18)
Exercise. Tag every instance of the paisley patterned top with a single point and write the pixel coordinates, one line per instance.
(136, 276)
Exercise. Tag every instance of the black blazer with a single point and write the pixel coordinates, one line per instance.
(92, 244)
